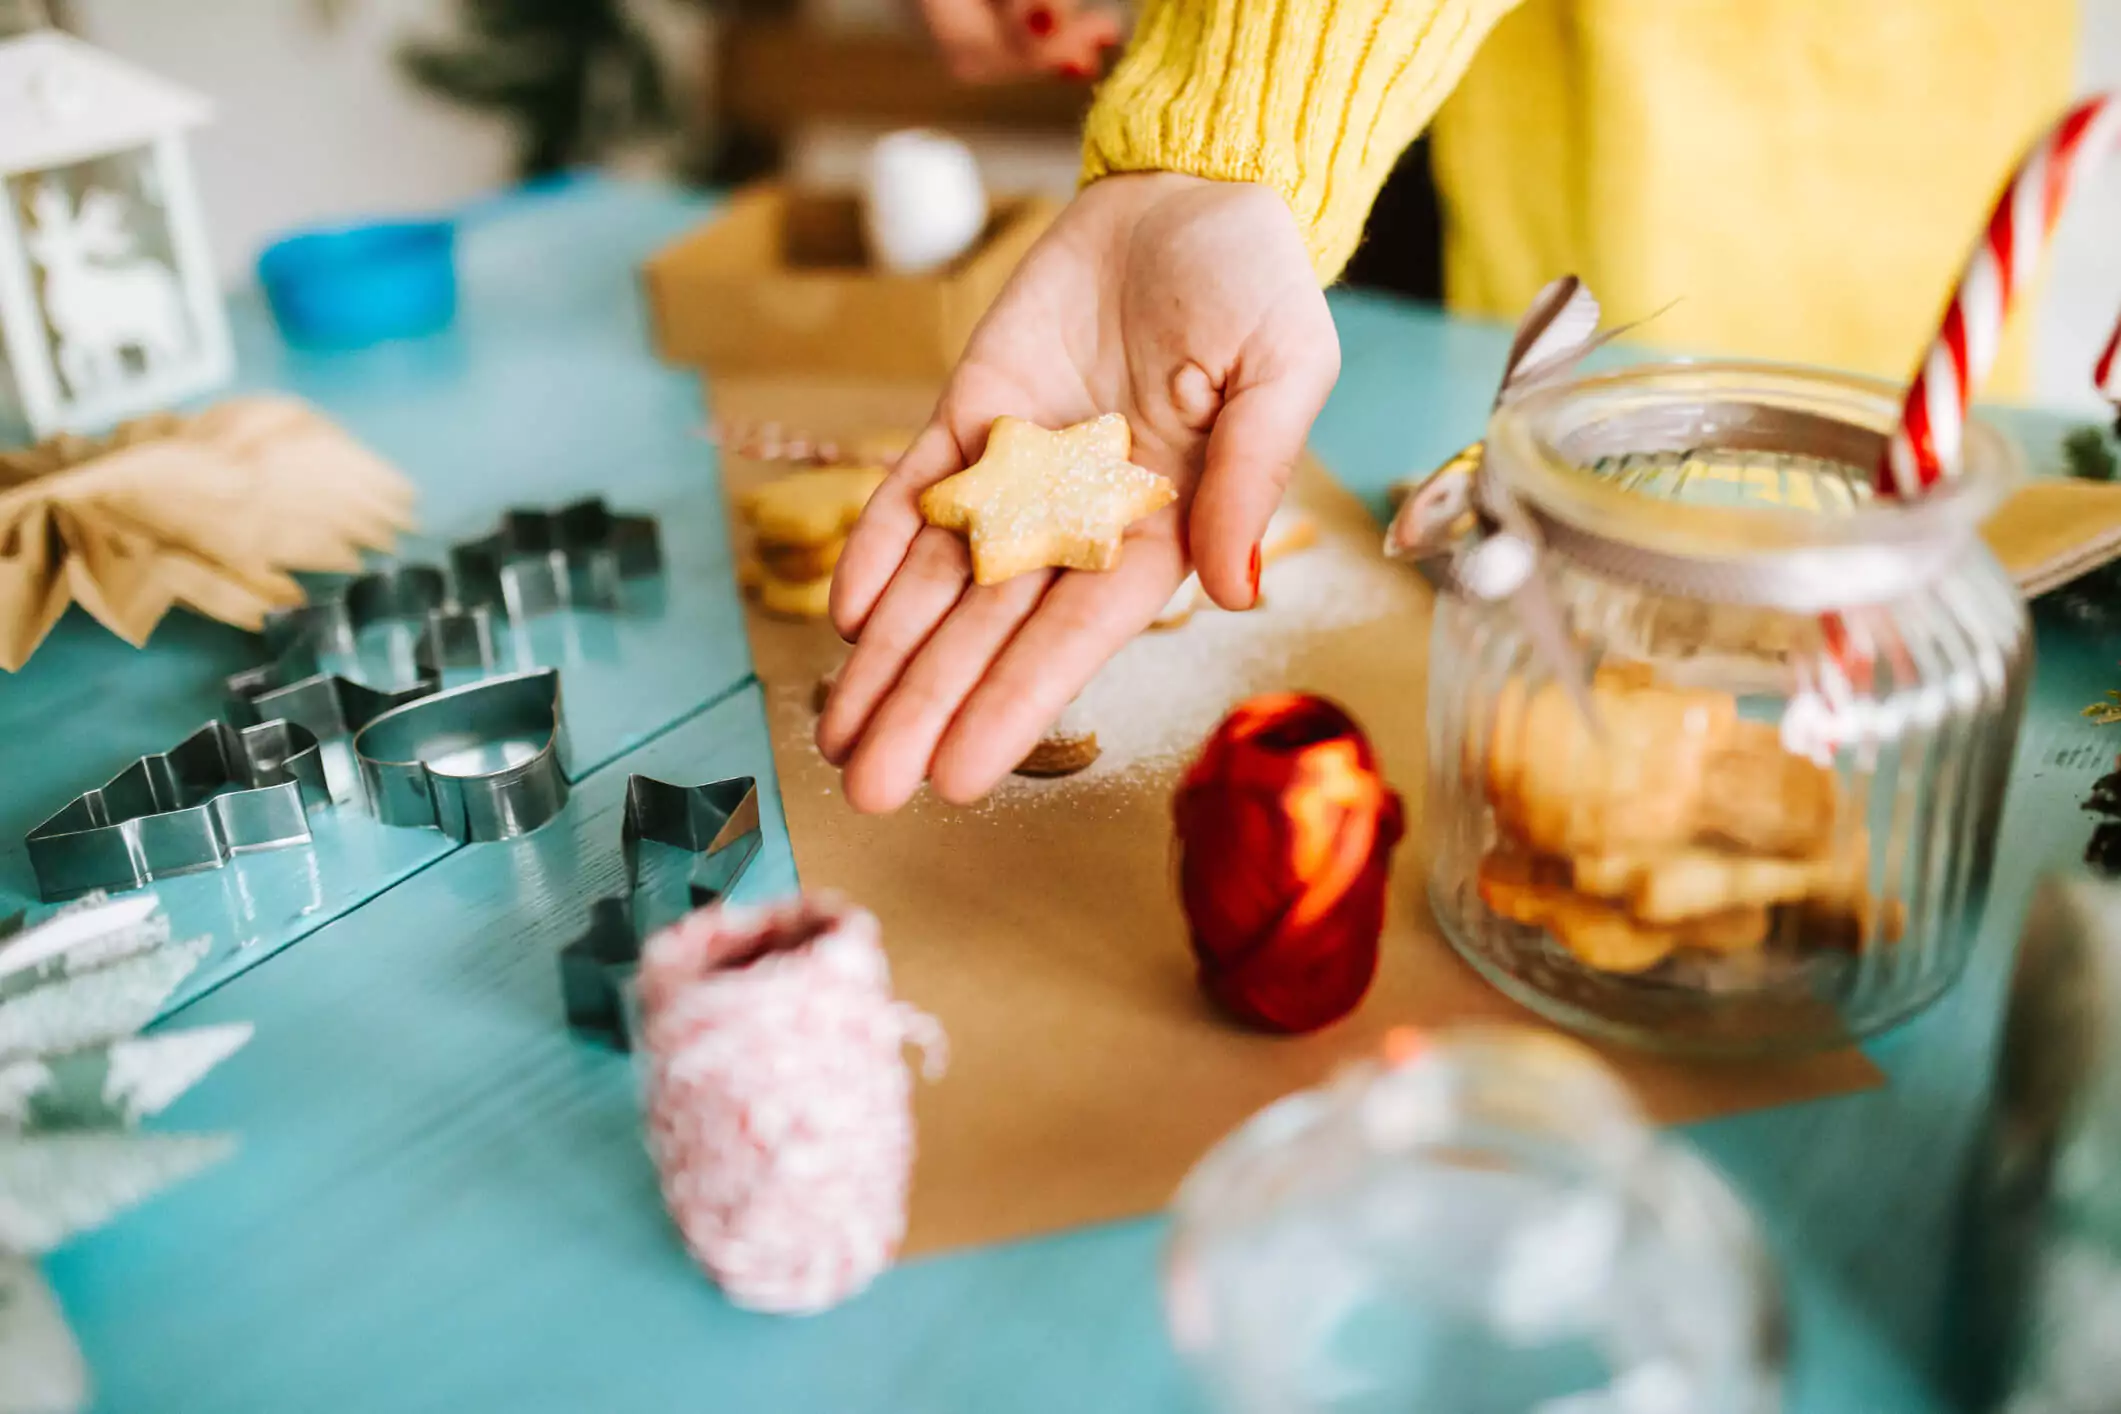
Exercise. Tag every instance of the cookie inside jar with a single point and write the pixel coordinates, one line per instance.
(1753, 809)
(1674, 839)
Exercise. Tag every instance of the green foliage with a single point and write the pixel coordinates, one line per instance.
(574, 77)
(2090, 455)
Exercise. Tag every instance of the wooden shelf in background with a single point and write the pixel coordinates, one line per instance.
(775, 75)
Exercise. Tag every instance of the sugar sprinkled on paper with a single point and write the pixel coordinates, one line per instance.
(1158, 698)
(1164, 692)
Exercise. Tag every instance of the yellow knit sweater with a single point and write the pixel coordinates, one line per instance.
(1802, 176)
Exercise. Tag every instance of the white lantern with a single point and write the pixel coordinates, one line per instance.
(108, 302)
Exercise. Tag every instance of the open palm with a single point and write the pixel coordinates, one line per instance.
(1189, 306)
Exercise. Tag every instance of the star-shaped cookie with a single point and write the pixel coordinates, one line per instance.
(1041, 499)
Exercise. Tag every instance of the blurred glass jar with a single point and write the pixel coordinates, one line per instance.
(1780, 832)
(2038, 1288)
(1487, 1226)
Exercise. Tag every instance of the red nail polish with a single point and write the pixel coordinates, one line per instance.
(1039, 20)
(1253, 574)
(1080, 72)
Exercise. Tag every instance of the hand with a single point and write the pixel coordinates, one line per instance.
(995, 41)
(1191, 307)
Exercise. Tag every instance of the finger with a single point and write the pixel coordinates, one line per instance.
(970, 35)
(1083, 620)
(892, 757)
(882, 536)
(1059, 34)
(1073, 45)
(1252, 450)
(1031, 23)
(928, 584)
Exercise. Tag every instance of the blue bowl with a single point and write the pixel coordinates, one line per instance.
(352, 286)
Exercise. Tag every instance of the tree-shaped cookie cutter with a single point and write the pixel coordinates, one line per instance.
(174, 812)
(483, 762)
(719, 823)
(579, 556)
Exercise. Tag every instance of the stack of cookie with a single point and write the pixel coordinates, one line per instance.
(1685, 828)
(799, 525)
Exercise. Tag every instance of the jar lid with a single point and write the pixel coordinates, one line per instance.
(1737, 482)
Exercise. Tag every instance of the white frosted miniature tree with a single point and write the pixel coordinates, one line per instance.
(76, 1079)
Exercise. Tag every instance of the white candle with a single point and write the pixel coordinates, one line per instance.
(923, 202)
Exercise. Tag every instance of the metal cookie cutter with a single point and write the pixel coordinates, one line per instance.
(173, 812)
(294, 688)
(578, 556)
(483, 762)
(718, 822)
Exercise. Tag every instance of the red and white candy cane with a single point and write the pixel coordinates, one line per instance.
(1925, 447)
(779, 1102)
(2107, 376)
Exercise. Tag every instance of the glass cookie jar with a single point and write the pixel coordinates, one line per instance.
(1720, 768)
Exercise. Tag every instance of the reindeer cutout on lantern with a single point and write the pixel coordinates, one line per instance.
(99, 297)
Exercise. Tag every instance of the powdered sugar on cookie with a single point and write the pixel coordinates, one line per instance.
(1038, 499)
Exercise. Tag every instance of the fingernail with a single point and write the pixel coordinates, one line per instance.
(1039, 20)
(1252, 573)
(1078, 71)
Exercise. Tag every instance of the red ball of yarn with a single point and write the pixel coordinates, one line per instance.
(1285, 835)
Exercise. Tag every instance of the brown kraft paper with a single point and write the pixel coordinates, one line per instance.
(1042, 929)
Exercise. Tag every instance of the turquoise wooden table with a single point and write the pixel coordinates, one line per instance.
(442, 1202)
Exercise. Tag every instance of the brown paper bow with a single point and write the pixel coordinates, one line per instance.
(210, 512)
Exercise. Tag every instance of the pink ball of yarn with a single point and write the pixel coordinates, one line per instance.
(779, 1102)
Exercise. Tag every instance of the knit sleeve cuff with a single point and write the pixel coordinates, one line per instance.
(1314, 98)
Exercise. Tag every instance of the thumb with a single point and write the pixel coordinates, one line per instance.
(1252, 451)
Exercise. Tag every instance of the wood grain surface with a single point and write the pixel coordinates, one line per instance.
(442, 1203)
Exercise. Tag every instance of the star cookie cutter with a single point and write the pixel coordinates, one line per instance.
(174, 812)
(456, 630)
(535, 562)
(294, 688)
(483, 762)
(719, 823)
(579, 556)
